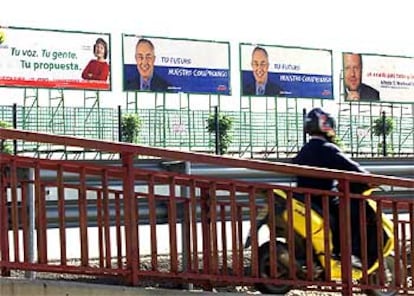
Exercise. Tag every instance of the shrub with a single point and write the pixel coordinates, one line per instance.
(377, 128)
(5, 146)
(130, 126)
(225, 124)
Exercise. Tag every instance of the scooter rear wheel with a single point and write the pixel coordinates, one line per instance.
(264, 269)
(389, 279)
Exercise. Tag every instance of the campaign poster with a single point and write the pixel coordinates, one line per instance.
(42, 58)
(158, 64)
(281, 71)
(378, 78)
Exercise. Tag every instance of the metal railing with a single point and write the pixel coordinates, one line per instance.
(205, 247)
(71, 210)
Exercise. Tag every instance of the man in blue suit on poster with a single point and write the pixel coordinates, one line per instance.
(260, 68)
(145, 78)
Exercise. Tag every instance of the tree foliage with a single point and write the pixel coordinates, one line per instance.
(378, 129)
(225, 124)
(5, 146)
(131, 126)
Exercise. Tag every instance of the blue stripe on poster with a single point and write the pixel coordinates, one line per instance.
(293, 85)
(176, 79)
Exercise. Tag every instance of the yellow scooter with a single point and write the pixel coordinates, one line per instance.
(318, 244)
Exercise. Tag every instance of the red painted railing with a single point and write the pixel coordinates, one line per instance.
(201, 232)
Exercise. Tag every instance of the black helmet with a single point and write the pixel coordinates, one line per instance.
(318, 122)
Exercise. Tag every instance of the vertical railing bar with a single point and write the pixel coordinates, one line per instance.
(234, 234)
(194, 234)
(172, 222)
(309, 235)
(153, 223)
(253, 232)
(118, 229)
(291, 234)
(25, 221)
(223, 238)
(4, 223)
(83, 222)
(106, 214)
(130, 218)
(327, 230)
(100, 225)
(41, 217)
(213, 225)
(62, 215)
(271, 203)
(363, 234)
(14, 210)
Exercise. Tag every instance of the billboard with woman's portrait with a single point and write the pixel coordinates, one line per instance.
(43, 58)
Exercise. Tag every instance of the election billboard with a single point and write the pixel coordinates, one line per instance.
(42, 58)
(378, 78)
(281, 71)
(158, 64)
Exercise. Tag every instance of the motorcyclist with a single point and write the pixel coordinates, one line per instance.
(321, 151)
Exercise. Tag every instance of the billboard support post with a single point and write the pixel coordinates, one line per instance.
(217, 129)
(384, 135)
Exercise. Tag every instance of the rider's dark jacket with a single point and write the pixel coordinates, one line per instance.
(321, 153)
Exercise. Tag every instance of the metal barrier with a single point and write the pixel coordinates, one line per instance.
(254, 134)
(203, 237)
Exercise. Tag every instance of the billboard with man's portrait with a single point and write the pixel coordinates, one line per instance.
(280, 71)
(158, 64)
(53, 59)
(381, 78)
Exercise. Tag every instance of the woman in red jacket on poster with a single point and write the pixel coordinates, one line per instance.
(97, 69)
